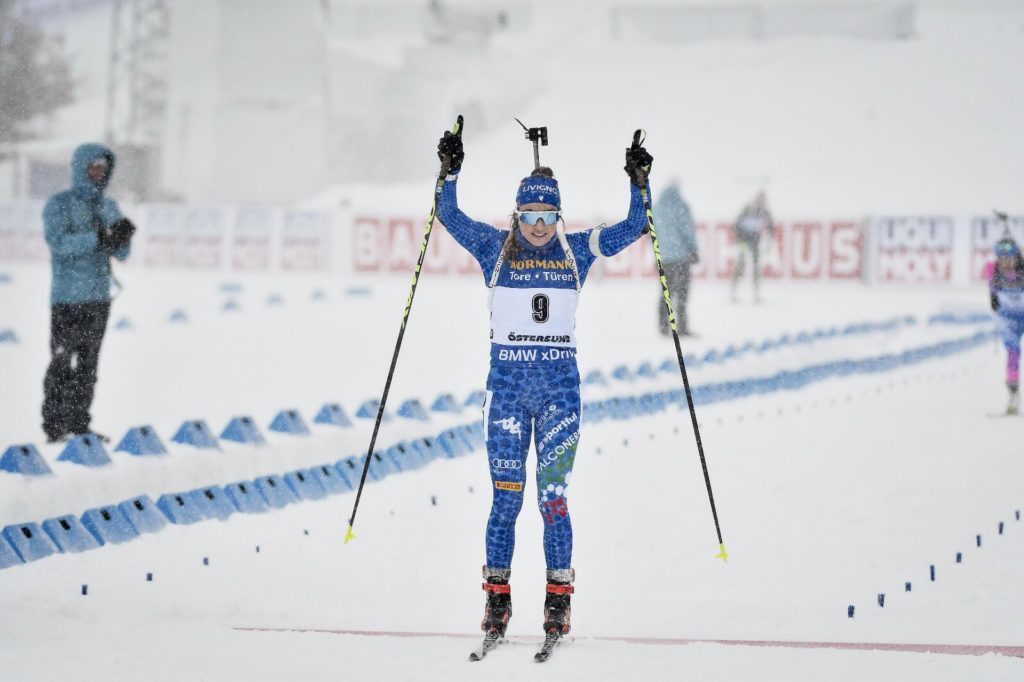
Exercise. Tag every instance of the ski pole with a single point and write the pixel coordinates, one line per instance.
(457, 130)
(679, 351)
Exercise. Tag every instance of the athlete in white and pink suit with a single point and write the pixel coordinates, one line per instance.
(1006, 294)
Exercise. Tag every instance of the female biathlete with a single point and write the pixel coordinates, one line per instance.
(1006, 294)
(534, 272)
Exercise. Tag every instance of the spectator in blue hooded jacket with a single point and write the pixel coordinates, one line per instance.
(677, 241)
(84, 229)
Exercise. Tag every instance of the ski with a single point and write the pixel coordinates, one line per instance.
(491, 640)
(550, 642)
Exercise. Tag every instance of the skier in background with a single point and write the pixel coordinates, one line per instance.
(1006, 294)
(84, 229)
(677, 241)
(534, 272)
(752, 222)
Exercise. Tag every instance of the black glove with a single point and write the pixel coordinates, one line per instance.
(638, 164)
(450, 147)
(110, 239)
(103, 240)
(994, 302)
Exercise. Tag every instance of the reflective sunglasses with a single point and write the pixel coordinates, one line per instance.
(534, 217)
(1002, 248)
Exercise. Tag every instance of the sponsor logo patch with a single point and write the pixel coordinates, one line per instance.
(509, 485)
(558, 428)
(560, 338)
(510, 424)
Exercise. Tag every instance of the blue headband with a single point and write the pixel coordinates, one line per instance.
(1007, 247)
(538, 189)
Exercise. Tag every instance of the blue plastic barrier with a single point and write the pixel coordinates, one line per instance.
(243, 430)
(289, 421)
(394, 459)
(332, 413)
(645, 370)
(8, 557)
(30, 541)
(69, 534)
(368, 410)
(383, 466)
(465, 439)
(475, 399)
(197, 434)
(124, 324)
(143, 515)
(445, 403)
(275, 491)
(450, 444)
(275, 299)
(622, 373)
(330, 479)
(109, 524)
(246, 498)
(178, 315)
(230, 305)
(86, 450)
(595, 377)
(427, 449)
(406, 456)
(179, 508)
(24, 459)
(230, 287)
(212, 502)
(304, 485)
(350, 469)
(141, 440)
(475, 432)
(413, 409)
(8, 336)
(318, 295)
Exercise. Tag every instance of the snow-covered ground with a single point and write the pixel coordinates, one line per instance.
(827, 495)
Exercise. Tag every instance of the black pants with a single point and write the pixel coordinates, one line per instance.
(752, 244)
(76, 332)
(677, 276)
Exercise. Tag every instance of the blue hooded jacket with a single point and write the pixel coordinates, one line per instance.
(677, 239)
(81, 271)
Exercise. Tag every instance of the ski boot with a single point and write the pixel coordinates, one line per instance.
(1013, 406)
(498, 609)
(556, 603)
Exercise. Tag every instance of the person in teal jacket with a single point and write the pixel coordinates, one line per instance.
(84, 230)
(677, 241)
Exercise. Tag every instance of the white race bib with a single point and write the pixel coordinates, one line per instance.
(534, 317)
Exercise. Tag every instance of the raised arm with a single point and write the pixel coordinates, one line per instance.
(610, 240)
(483, 241)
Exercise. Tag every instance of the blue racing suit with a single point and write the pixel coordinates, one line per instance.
(533, 388)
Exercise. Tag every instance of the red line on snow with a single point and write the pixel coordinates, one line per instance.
(948, 649)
